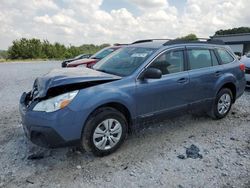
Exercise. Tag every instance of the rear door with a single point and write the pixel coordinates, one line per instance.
(204, 71)
(157, 96)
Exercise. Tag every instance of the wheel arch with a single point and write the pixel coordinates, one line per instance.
(231, 86)
(118, 106)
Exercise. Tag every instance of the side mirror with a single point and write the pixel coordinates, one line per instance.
(152, 73)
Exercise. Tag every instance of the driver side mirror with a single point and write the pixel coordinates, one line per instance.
(151, 73)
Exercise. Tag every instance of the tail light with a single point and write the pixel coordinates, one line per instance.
(242, 67)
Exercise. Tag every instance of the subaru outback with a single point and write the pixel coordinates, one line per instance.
(147, 80)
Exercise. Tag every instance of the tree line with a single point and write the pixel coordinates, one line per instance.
(233, 31)
(35, 48)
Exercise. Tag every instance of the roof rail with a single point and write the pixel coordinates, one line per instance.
(199, 41)
(118, 44)
(147, 40)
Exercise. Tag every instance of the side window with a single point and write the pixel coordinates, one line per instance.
(214, 58)
(199, 58)
(225, 56)
(170, 62)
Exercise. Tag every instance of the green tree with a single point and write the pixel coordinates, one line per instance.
(189, 37)
(35, 48)
(233, 31)
(3, 54)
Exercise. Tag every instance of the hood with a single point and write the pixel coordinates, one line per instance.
(67, 60)
(64, 80)
(82, 61)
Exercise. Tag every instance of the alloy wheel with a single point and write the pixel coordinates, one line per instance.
(107, 134)
(224, 104)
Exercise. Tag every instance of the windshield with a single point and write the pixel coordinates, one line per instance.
(124, 61)
(103, 53)
(77, 57)
(248, 55)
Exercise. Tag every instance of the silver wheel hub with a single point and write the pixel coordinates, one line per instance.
(224, 103)
(107, 134)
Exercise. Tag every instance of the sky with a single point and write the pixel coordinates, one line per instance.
(76, 22)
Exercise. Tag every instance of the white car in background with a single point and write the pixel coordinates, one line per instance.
(246, 60)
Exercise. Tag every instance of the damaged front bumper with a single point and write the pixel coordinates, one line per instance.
(55, 129)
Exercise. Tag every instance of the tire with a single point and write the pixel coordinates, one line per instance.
(222, 104)
(104, 131)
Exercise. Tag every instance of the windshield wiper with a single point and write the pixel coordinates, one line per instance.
(95, 58)
(105, 71)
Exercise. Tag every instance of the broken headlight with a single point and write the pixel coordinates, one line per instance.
(55, 103)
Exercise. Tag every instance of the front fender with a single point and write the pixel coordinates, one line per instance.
(89, 99)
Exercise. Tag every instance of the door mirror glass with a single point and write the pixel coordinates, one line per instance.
(152, 73)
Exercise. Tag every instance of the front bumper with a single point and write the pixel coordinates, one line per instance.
(64, 64)
(55, 129)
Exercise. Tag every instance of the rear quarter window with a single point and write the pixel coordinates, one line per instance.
(225, 56)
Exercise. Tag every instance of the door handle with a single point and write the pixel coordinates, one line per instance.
(182, 80)
(217, 73)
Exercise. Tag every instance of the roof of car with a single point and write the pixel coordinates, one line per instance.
(157, 44)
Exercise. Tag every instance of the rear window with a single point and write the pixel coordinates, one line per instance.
(225, 56)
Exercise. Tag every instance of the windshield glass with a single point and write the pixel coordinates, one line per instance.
(124, 61)
(103, 53)
(77, 57)
(248, 55)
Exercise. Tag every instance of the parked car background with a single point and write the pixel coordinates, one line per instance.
(246, 60)
(81, 56)
(94, 58)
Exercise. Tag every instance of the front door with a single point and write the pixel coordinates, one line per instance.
(157, 96)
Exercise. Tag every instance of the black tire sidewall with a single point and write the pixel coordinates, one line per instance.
(215, 107)
(94, 120)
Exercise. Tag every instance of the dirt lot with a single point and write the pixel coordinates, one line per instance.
(152, 157)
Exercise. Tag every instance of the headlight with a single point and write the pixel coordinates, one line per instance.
(82, 65)
(55, 103)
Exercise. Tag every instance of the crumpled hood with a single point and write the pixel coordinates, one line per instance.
(62, 80)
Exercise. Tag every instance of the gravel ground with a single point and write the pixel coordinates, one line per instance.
(187, 151)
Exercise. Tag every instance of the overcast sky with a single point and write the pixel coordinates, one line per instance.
(116, 21)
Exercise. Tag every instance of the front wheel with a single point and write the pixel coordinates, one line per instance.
(222, 104)
(104, 132)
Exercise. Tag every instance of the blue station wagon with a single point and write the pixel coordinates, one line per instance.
(149, 79)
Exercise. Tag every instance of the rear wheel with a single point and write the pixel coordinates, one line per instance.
(222, 104)
(104, 132)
